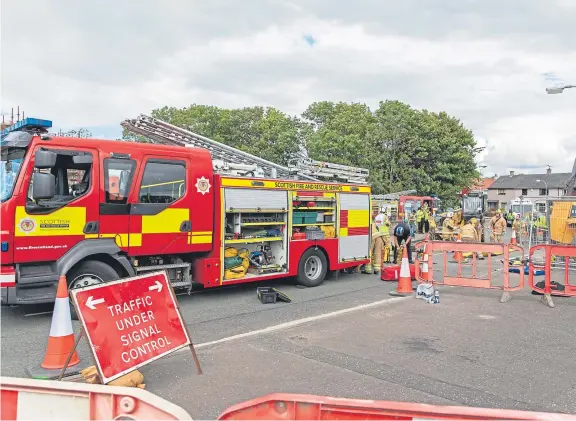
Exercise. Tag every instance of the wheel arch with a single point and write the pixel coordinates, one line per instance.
(105, 250)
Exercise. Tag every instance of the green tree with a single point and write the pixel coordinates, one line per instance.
(402, 147)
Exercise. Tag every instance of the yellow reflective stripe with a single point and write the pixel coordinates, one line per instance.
(358, 218)
(343, 232)
(69, 220)
(135, 239)
(166, 222)
(201, 239)
(120, 239)
(293, 185)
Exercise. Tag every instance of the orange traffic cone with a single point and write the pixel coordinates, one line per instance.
(404, 280)
(513, 238)
(425, 274)
(60, 341)
(458, 256)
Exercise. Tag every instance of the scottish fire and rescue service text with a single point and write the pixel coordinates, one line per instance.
(306, 186)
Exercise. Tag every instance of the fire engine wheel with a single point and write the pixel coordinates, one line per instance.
(312, 268)
(90, 272)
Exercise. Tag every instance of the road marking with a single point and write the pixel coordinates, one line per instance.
(298, 322)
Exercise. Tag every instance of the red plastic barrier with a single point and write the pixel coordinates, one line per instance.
(551, 250)
(27, 399)
(473, 281)
(309, 407)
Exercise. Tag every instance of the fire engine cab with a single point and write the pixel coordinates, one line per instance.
(99, 210)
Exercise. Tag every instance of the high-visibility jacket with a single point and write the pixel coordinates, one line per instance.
(469, 232)
(419, 215)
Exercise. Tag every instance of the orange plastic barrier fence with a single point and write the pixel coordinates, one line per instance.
(309, 407)
(473, 281)
(550, 251)
(27, 399)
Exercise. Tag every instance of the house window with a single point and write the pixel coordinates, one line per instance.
(543, 192)
(541, 207)
(524, 192)
(501, 191)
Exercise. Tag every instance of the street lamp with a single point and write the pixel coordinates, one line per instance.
(559, 89)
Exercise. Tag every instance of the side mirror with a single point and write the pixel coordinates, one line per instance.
(82, 159)
(44, 159)
(43, 186)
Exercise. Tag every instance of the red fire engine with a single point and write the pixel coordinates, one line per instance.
(407, 204)
(141, 207)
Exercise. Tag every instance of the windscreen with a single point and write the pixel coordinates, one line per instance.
(9, 170)
(472, 204)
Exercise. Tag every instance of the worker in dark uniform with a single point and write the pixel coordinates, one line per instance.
(402, 233)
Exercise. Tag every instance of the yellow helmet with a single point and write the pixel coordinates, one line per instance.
(473, 221)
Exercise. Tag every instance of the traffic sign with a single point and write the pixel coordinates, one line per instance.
(130, 322)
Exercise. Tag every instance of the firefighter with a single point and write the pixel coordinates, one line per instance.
(518, 227)
(432, 227)
(380, 241)
(426, 218)
(448, 227)
(498, 227)
(471, 234)
(420, 220)
(402, 234)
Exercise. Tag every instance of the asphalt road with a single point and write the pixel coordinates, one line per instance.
(468, 350)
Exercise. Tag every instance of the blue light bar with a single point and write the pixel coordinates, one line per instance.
(28, 124)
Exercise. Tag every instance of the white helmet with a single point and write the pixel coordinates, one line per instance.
(450, 214)
(383, 209)
(379, 220)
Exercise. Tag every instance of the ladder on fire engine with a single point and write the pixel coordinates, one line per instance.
(231, 161)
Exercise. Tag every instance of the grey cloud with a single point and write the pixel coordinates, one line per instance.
(533, 23)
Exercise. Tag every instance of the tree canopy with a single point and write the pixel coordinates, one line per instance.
(403, 148)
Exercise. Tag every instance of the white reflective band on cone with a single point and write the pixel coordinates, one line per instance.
(404, 269)
(61, 319)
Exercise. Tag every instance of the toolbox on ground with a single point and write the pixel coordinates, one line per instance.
(392, 272)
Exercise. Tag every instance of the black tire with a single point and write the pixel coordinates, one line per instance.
(95, 268)
(312, 268)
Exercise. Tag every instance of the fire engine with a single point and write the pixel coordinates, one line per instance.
(207, 213)
(407, 204)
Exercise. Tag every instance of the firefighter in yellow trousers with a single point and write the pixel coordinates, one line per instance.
(380, 245)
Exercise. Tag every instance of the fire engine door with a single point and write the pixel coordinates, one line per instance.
(119, 174)
(160, 212)
(45, 229)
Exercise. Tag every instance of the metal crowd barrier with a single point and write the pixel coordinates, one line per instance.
(557, 259)
(473, 281)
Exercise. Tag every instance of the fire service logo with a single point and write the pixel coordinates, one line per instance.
(27, 225)
(202, 185)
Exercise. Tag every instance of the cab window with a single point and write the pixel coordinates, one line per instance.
(164, 181)
(73, 178)
(118, 176)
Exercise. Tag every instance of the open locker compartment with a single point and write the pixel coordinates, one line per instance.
(255, 229)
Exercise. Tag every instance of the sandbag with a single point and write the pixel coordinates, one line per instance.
(132, 379)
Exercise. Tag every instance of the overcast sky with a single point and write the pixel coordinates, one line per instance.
(93, 63)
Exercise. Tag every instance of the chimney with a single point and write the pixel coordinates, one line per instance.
(511, 173)
(549, 171)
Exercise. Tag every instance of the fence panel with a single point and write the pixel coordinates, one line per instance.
(435, 248)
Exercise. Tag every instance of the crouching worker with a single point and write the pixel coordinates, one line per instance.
(470, 234)
(380, 245)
